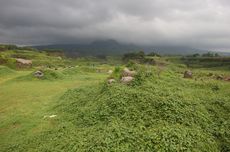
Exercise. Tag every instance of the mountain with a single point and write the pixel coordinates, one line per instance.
(112, 47)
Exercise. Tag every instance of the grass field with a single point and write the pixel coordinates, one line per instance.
(24, 103)
(159, 111)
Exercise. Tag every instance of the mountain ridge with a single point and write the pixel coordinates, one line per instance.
(112, 47)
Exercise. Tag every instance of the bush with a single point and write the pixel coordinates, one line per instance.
(116, 73)
(139, 56)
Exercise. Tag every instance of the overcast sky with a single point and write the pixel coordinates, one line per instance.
(195, 23)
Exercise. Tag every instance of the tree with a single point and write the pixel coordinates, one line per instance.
(134, 56)
(210, 54)
(196, 55)
(217, 55)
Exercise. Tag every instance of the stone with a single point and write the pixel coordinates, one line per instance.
(110, 71)
(38, 74)
(52, 116)
(110, 81)
(23, 63)
(227, 78)
(219, 77)
(127, 79)
(188, 74)
(126, 72)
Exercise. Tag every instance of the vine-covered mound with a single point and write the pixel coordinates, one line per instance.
(160, 114)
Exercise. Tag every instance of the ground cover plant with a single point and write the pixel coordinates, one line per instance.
(73, 108)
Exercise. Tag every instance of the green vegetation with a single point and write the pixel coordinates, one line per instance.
(4, 71)
(209, 54)
(73, 108)
(139, 57)
(202, 62)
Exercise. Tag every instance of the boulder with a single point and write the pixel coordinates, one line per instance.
(126, 79)
(127, 73)
(188, 74)
(38, 74)
(23, 63)
(220, 77)
(227, 78)
(110, 81)
(110, 71)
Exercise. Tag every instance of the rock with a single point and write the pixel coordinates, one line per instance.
(188, 74)
(111, 81)
(52, 116)
(126, 72)
(23, 63)
(110, 72)
(38, 74)
(227, 78)
(219, 77)
(127, 79)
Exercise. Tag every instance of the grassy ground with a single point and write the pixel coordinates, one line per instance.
(24, 103)
(158, 111)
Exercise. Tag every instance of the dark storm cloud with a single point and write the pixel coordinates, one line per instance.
(197, 23)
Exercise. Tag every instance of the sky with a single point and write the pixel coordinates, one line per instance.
(203, 24)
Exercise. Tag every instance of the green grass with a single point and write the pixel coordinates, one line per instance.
(158, 111)
(166, 113)
(25, 101)
(5, 71)
(160, 114)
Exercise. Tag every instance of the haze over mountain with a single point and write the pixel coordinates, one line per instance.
(201, 24)
(112, 47)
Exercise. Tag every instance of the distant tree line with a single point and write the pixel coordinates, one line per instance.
(140, 57)
(5, 47)
(209, 54)
(134, 56)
